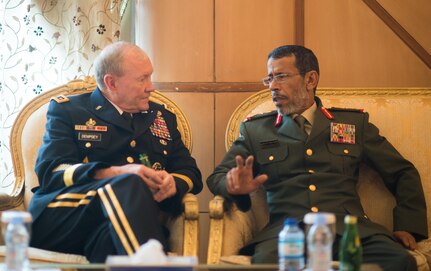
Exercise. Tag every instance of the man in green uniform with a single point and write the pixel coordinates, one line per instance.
(307, 159)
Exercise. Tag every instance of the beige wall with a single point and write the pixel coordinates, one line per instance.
(210, 42)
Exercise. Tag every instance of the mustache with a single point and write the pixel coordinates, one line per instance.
(277, 96)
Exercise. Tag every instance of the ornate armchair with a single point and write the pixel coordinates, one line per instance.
(402, 116)
(25, 140)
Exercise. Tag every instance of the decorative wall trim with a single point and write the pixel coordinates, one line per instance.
(299, 22)
(257, 86)
(208, 86)
(403, 34)
(374, 91)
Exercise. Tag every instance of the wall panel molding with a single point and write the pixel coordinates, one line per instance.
(208, 87)
(399, 30)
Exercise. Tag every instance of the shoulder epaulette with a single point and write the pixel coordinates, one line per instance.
(60, 99)
(259, 116)
(168, 108)
(339, 109)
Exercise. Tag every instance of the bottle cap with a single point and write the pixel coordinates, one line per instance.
(350, 219)
(310, 218)
(15, 216)
(290, 221)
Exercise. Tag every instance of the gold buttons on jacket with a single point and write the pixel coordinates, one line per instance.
(130, 159)
(311, 171)
(309, 152)
(88, 145)
(312, 187)
(346, 151)
(165, 152)
(271, 157)
(314, 209)
(133, 143)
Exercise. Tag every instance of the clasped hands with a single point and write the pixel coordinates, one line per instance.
(160, 182)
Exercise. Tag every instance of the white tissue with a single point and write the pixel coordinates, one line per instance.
(150, 253)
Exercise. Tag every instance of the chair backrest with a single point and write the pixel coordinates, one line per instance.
(402, 115)
(29, 128)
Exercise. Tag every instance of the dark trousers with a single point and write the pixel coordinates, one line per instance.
(378, 249)
(107, 217)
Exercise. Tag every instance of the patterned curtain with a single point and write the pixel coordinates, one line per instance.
(46, 43)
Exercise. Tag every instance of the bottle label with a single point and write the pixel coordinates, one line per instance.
(321, 260)
(291, 248)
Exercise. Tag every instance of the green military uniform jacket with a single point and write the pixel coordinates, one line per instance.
(294, 163)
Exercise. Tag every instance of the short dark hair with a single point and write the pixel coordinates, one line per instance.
(306, 60)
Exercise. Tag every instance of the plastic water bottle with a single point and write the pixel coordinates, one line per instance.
(291, 246)
(319, 245)
(17, 239)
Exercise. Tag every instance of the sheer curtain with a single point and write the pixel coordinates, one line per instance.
(45, 44)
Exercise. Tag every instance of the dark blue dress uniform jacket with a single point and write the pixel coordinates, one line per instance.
(85, 133)
(293, 163)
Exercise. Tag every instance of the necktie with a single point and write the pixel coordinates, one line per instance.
(129, 118)
(300, 120)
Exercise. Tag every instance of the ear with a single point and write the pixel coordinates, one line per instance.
(312, 79)
(109, 80)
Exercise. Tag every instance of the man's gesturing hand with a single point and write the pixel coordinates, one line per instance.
(240, 181)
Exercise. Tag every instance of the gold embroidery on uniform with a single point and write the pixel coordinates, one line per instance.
(123, 218)
(76, 195)
(114, 221)
(61, 167)
(68, 174)
(91, 123)
(71, 196)
(184, 178)
(68, 203)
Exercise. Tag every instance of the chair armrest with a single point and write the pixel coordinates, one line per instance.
(424, 247)
(191, 225)
(230, 230)
(215, 241)
(184, 229)
(13, 200)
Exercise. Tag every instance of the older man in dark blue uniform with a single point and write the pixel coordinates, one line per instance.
(110, 161)
(307, 158)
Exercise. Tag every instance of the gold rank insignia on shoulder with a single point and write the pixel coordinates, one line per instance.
(342, 133)
(90, 125)
(159, 128)
(60, 99)
(168, 108)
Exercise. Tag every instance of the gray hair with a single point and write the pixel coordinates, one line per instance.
(110, 61)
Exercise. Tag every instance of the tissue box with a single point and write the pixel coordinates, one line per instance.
(173, 263)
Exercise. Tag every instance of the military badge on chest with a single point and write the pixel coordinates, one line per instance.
(89, 131)
(342, 133)
(160, 129)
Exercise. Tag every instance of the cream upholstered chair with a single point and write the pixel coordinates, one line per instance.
(25, 140)
(403, 117)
